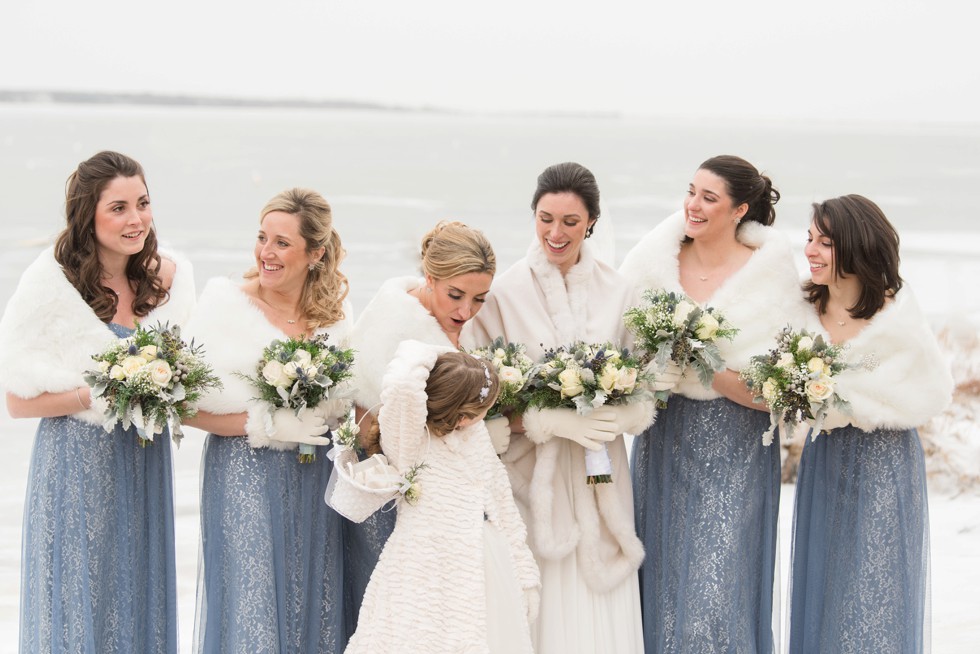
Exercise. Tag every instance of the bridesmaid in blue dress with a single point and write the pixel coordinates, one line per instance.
(98, 570)
(861, 526)
(271, 569)
(706, 490)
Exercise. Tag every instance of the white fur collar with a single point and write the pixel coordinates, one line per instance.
(911, 381)
(760, 298)
(48, 333)
(233, 332)
(566, 296)
(391, 317)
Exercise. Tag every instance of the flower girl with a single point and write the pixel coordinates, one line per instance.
(456, 574)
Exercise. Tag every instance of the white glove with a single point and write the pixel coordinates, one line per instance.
(635, 416)
(532, 599)
(333, 412)
(499, 429)
(589, 431)
(666, 380)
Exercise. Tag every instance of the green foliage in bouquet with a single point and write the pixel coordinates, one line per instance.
(514, 368)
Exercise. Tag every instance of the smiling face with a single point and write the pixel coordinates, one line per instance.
(561, 221)
(122, 217)
(708, 209)
(280, 253)
(819, 252)
(454, 301)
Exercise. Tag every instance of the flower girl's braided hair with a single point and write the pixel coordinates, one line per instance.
(460, 386)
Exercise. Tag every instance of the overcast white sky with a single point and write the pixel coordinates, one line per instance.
(838, 59)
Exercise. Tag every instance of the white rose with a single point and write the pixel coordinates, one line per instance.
(289, 369)
(130, 365)
(820, 389)
(511, 376)
(681, 312)
(707, 327)
(499, 354)
(302, 358)
(103, 367)
(571, 383)
(148, 352)
(786, 360)
(116, 372)
(769, 390)
(273, 373)
(804, 343)
(607, 378)
(625, 380)
(311, 371)
(612, 355)
(815, 365)
(160, 372)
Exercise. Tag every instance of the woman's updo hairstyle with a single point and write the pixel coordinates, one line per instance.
(451, 249)
(570, 177)
(746, 185)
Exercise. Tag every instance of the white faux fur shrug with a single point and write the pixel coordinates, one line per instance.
(759, 299)
(391, 317)
(428, 591)
(48, 333)
(532, 303)
(233, 332)
(909, 379)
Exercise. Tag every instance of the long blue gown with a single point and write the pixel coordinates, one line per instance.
(98, 565)
(860, 543)
(271, 576)
(706, 500)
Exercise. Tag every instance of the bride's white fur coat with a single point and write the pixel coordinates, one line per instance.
(392, 316)
(533, 304)
(759, 299)
(48, 333)
(233, 332)
(900, 378)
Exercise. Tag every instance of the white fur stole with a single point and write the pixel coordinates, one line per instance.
(48, 333)
(759, 299)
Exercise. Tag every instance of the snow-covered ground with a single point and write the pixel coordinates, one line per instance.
(955, 524)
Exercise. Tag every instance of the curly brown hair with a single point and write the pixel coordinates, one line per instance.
(77, 249)
(325, 287)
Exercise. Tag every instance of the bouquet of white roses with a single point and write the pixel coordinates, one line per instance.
(796, 380)
(299, 374)
(584, 377)
(149, 379)
(671, 327)
(514, 368)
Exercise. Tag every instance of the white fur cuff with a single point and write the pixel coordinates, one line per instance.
(634, 418)
(535, 427)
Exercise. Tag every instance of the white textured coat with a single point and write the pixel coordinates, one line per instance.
(48, 333)
(428, 592)
(532, 303)
(233, 332)
(759, 299)
(391, 317)
(909, 379)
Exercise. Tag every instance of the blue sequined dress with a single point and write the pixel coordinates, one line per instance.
(706, 498)
(860, 544)
(98, 570)
(271, 574)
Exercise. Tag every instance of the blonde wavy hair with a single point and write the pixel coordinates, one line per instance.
(452, 248)
(325, 287)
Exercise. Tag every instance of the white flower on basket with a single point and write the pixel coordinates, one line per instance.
(510, 375)
(571, 382)
(820, 389)
(682, 312)
(131, 365)
(804, 343)
(148, 352)
(160, 372)
(816, 365)
(707, 327)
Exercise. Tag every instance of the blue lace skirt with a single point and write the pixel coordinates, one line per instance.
(860, 544)
(706, 499)
(271, 570)
(98, 570)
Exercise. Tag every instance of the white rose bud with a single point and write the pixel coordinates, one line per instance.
(273, 373)
(804, 343)
(289, 369)
(116, 372)
(131, 365)
(707, 327)
(571, 383)
(103, 367)
(786, 360)
(302, 358)
(815, 364)
(769, 390)
(607, 378)
(148, 352)
(625, 380)
(160, 372)
(510, 376)
(820, 389)
(681, 312)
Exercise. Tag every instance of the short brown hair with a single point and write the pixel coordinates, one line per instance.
(455, 388)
